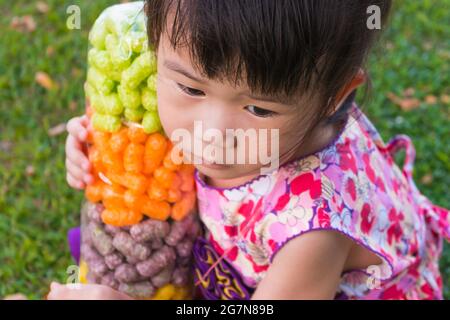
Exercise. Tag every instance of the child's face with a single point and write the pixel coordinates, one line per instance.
(183, 100)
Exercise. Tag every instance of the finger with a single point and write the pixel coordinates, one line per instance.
(84, 120)
(76, 128)
(72, 141)
(74, 170)
(74, 153)
(74, 183)
(74, 125)
(88, 179)
(86, 123)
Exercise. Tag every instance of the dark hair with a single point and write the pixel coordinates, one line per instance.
(281, 47)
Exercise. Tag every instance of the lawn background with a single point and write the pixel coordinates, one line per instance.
(37, 207)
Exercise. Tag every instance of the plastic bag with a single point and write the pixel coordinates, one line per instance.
(139, 221)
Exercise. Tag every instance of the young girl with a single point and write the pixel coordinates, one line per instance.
(293, 66)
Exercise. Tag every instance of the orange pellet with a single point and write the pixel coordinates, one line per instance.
(95, 158)
(134, 201)
(175, 155)
(159, 210)
(165, 177)
(156, 142)
(135, 181)
(120, 216)
(151, 162)
(113, 196)
(169, 164)
(155, 149)
(115, 177)
(187, 168)
(187, 178)
(137, 134)
(156, 191)
(101, 140)
(94, 192)
(112, 161)
(184, 206)
(133, 157)
(119, 140)
(173, 195)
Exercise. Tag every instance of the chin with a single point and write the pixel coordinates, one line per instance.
(223, 172)
(228, 172)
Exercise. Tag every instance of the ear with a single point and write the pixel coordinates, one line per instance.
(358, 79)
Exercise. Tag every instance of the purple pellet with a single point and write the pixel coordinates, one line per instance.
(112, 230)
(100, 239)
(177, 232)
(157, 261)
(130, 248)
(109, 280)
(163, 277)
(149, 230)
(184, 247)
(113, 260)
(180, 276)
(184, 261)
(194, 230)
(157, 244)
(132, 260)
(138, 290)
(126, 273)
(88, 253)
(98, 267)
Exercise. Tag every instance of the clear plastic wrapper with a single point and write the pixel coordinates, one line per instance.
(139, 221)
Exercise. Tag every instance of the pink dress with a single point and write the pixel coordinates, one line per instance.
(351, 186)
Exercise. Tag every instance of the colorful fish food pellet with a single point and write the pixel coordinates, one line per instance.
(121, 77)
(150, 259)
(139, 221)
(133, 163)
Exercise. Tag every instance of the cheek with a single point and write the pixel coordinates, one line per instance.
(169, 104)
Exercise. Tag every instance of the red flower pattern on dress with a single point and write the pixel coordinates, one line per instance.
(306, 182)
(347, 159)
(395, 230)
(367, 218)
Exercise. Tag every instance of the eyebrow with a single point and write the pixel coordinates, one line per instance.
(172, 65)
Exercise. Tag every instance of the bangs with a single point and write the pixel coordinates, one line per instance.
(238, 41)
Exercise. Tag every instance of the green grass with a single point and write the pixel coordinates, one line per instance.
(37, 210)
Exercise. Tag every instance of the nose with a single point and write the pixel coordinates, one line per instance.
(215, 127)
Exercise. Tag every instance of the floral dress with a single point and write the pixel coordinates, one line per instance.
(352, 186)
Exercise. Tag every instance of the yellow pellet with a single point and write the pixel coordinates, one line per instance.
(182, 293)
(82, 272)
(165, 292)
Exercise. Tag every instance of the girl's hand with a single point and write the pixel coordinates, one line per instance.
(84, 292)
(77, 163)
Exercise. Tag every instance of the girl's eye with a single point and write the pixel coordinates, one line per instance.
(190, 91)
(260, 112)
